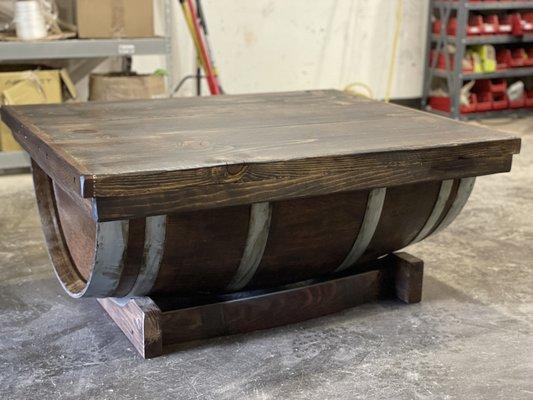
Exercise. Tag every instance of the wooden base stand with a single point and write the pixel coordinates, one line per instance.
(154, 323)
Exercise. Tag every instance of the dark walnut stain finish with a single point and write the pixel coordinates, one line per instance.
(252, 147)
(70, 276)
(405, 211)
(79, 231)
(133, 258)
(157, 197)
(212, 206)
(140, 320)
(202, 250)
(309, 237)
(156, 325)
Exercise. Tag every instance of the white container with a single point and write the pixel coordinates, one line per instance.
(29, 20)
(516, 91)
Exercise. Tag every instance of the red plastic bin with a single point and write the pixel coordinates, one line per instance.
(527, 22)
(511, 58)
(474, 27)
(505, 25)
(529, 60)
(437, 26)
(518, 57)
(515, 20)
(519, 103)
(520, 23)
(488, 85)
(500, 101)
(444, 103)
(491, 24)
(503, 59)
(529, 98)
(484, 101)
(441, 62)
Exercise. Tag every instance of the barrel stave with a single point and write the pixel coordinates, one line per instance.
(233, 248)
(309, 237)
(202, 250)
(405, 211)
(133, 258)
(78, 229)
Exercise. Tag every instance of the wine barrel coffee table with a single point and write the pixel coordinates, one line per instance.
(196, 217)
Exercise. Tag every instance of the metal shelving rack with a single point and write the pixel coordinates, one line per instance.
(88, 53)
(81, 48)
(454, 75)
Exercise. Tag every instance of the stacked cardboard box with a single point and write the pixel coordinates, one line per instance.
(115, 18)
(19, 87)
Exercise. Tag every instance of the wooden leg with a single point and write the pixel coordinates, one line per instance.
(149, 328)
(408, 277)
(140, 320)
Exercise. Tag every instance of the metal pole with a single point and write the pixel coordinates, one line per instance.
(169, 62)
(457, 73)
(427, 67)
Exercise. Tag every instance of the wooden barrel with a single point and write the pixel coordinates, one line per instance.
(229, 249)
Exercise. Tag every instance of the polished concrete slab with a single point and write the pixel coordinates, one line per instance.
(470, 338)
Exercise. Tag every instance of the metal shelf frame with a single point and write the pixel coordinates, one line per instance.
(80, 48)
(453, 74)
(507, 73)
(90, 50)
(487, 39)
(507, 113)
(486, 5)
(89, 53)
(13, 160)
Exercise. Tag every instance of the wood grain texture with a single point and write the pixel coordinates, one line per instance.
(437, 211)
(139, 318)
(309, 237)
(56, 163)
(107, 247)
(271, 140)
(369, 223)
(272, 309)
(367, 175)
(408, 277)
(133, 259)
(405, 211)
(199, 164)
(79, 231)
(202, 250)
(256, 240)
(70, 277)
(154, 325)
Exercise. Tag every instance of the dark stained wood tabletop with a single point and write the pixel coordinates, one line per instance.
(140, 147)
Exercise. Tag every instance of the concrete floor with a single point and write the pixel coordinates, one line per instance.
(470, 338)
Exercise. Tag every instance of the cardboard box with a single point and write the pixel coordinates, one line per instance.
(117, 86)
(31, 87)
(115, 18)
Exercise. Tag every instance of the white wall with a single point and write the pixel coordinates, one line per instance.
(276, 45)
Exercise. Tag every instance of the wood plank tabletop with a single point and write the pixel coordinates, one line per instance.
(100, 149)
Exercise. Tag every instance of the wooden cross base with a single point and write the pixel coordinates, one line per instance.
(152, 324)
